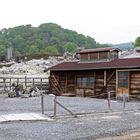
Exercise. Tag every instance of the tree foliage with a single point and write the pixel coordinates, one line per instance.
(48, 37)
(137, 42)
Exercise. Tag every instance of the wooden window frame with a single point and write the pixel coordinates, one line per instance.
(123, 79)
(86, 82)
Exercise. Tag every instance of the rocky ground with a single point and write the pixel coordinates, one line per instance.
(29, 68)
(98, 123)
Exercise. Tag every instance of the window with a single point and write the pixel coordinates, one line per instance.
(84, 57)
(93, 56)
(114, 55)
(85, 82)
(123, 79)
(103, 55)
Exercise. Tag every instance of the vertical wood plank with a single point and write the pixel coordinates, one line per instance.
(41, 83)
(66, 83)
(116, 83)
(10, 83)
(104, 77)
(25, 82)
(33, 81)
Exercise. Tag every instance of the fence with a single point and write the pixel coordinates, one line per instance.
(40, 82)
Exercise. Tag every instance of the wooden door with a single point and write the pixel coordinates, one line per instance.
(123, 83)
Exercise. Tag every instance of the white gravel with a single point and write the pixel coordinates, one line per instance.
(30, 68)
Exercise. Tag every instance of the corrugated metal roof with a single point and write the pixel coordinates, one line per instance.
(97, 50)
(117, 63)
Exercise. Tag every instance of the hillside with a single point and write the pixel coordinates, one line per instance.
(124, 46)
(47, 38)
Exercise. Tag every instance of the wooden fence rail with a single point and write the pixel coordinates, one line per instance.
(39, 82)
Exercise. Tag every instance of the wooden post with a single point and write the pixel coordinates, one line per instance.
(42, 104)
(104, 77)
(25, 82)
(41, 84)
(109, 107)
(98, 56)
(4, 84)
(124, 101)
(17, 80)
(33, 81)
(55, 100)
(116, 83)
(66, 83)
(88, 56)
(10, 83)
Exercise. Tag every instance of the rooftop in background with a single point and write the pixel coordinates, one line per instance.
(132, 53)
(116, 63)
(98, 50)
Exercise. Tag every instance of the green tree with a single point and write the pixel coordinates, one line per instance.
(27, 39)
(70, 47)
(137, 42)
(50, 50)
(33, 49)
(2, 50)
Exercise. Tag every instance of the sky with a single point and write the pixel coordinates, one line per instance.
(107, 21)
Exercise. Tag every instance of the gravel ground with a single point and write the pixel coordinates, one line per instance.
(85, 127)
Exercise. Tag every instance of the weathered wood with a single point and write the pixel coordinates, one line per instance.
(105, 77)
(10, 80)
(80, 92)
(135, 86)
(89, 92)
(135, 83)
(100, 80)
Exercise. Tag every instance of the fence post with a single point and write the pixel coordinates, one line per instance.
(124, 101)
(25, 81)
(55, 100)
(42, 104)
(33, 81)
(4, 84)
(41, 83)
(109, 107)
(10, 83)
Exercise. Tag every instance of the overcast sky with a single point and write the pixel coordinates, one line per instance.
(107, 21)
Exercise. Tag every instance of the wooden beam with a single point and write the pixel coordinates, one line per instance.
(129, 69)
(66, 84)
(116, 83)
(104, 77)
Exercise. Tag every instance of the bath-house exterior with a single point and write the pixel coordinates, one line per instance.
(97, 72)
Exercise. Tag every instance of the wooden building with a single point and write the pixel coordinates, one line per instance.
(97, 72)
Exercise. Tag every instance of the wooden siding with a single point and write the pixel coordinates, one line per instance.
(111, 85)
(135, 83)
(99, 81)
(102, 89)
(84, 57)
(67, 82)
(62, 81)
(103, 55)
(84, 91)
(70, 83)
(93, 56)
